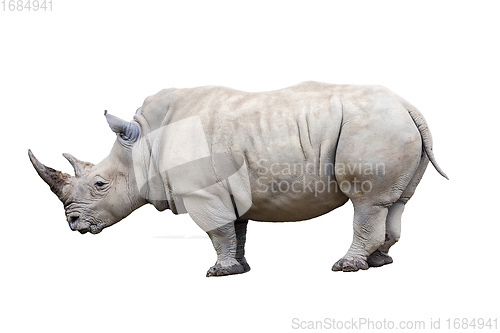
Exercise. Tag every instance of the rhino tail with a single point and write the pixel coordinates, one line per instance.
(425, 133)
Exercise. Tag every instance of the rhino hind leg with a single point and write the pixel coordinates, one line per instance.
(369, 230)
(229, 243)
(381, 256)
(393, 223)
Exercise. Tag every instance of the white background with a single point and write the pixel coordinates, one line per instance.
(59, 70)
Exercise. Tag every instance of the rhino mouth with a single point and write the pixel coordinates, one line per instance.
(93, 229)
(82, 221)
(84, 227)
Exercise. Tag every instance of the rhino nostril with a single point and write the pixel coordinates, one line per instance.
(72, 220)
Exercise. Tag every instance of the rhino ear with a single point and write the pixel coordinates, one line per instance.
(127, 131)
(81, 168)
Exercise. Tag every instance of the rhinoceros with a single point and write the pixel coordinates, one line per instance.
(226, 157)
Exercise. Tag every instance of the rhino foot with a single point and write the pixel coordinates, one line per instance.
(350, 265)
(221, 270)
(243, 262)
(377, 259)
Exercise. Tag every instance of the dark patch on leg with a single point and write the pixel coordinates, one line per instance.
(240, 227)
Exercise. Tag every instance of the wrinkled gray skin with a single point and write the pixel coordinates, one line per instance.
(310, 124)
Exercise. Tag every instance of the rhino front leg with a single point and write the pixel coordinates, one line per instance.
(369, 233)
(214, 213)
(240, 226)
(229, 243)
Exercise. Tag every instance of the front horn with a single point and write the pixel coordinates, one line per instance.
(54, 178)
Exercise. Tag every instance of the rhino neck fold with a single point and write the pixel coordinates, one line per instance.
(154, 184)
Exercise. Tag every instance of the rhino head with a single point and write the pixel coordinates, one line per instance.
(100, 195)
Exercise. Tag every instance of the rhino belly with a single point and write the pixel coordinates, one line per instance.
(294, 199)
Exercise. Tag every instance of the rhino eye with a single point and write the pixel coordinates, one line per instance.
(99, 184)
